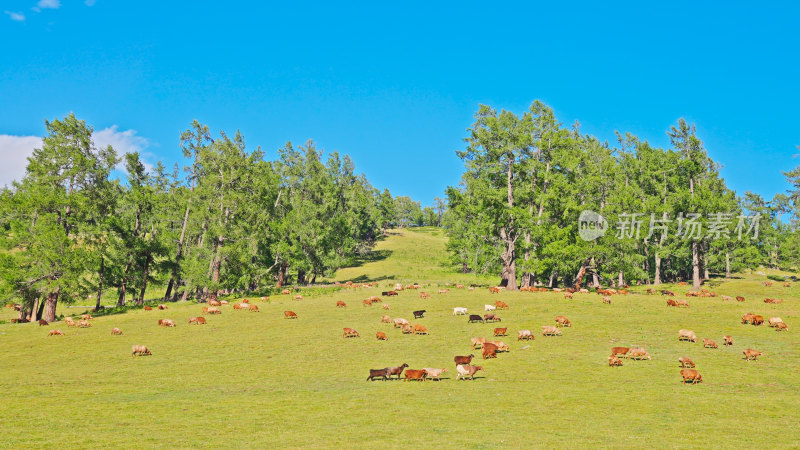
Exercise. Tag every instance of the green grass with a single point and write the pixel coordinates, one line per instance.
(258, 380)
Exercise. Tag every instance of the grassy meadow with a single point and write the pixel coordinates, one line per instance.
(258, 380)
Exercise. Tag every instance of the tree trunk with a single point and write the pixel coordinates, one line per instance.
(148, 259)
(176, 268)
(621, 281)
(581, 274)
(301, 276)
(50, 305)
(657, 268)
(695, 266)
(282, 274)
(100, 284)
(553, 275)
(464, 268)
(727, 264)
(124, 285)
(509, 273)
(34, 309)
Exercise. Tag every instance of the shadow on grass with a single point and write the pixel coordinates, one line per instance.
(373, 256)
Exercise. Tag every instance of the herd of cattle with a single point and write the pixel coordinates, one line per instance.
(489, 348)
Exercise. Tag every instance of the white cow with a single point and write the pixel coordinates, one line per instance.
(460, 311)
(489, 307)
(400, 322)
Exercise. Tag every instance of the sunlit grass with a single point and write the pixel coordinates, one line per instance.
(258, 380)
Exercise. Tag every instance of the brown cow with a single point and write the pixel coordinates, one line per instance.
(289, 315)
(253, 308)
(671, 302)
(568, 295)
(116, 331)
(728, 340)
(494, 290)
(491, 318)
(84, 324)
(500, 331)
(747, 318)
(397, 371)
(525, 335)
(386, 319)
(687, 335)
(341, 304)
(86, 316)
(381, 336)
(286, 292)
(620, 351)
(298, 297)
(166, 323)
(366, 302)
(43, 322)
(751, 354)
(606, 299)
(709, 343)
(424, 295)
(781, 327)
(638, 353)
(162, 306)
(691, 375)
(463, 359)
(349, 332)
(139, 350)
(563, 321)
(549, 330)
(489, 350)
(412, 375)
(55, 333)
(147, 308)
(407, 329)
(686, 362)
(739, 298)
(465, 371)
(420, 329)
(757, 320)
(478, 342)
(500, 305)
(680, 303)
(613, 361)
(197, 320)
(215, 303)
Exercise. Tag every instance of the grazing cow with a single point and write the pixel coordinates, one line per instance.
(558, 290)
(84, 324)
(620, 351)
(748, 318)
(381, 336)
(727, 298)
(43, 322)
(70, 322)
(140, 350)
(768, 283)
(116, 331)
(459, 360)
(638, 353)
(420, 329)
(386, 306)
(465, 371)
(378, 373)
(397, 370)
(398, 323)
(491, 318)
(390, 294)
(412, 375)
(500, 331)
(683, 303)
(424, 295)
(781, 327)
(386, 319)
(406, 329)
(375, 299)
(213, 311)
(709, 343)
(757, 320)
(563, 321)
(166, 323)
(682, 283)
(691, 375)
(253, 308)
(286, 292)
(687, 335)
(613, 361)
(419, 314)
(728, 340)
(524, 335)
(238, 306)
(147, 308)
(298, 297)
(568, 295)
(549, 330)
(501, 346)
(86, 316)
(162, 307)
(459, 311)
(773, 300)
(488, 308)
(55, 333)
(500, 305)
(489, 350)
(478, 342)
(444, 291)
(774, 321)
(366, 302)
(215, 303)
(671, 302)
(193, 320)
(475, 318)
(398, 287)
(434, 373)
(669, 293)
(349, 332)
(607, 299)
(686, 362)
(739, 298)
(787, 285)
(341, 304)
(225, 302)
(751, 354)
(494, 290)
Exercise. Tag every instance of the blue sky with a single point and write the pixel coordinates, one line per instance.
(396, 85)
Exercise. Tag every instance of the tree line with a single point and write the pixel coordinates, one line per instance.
(528, 178)
(75, 226)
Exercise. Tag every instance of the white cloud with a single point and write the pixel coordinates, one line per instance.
(14, 150)
(47, 4)
(15, 16)
(90, 2)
